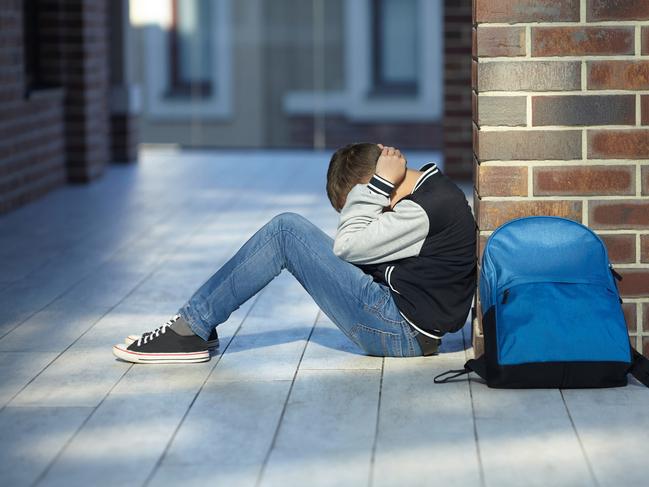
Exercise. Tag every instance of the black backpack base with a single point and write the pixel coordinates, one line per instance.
(570, 374)
(551, 375)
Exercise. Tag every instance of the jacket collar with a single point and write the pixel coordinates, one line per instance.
(429, 169)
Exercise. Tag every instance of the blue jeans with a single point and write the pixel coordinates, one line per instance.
(362, 308)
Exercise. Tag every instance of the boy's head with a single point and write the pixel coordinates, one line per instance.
(350, 165)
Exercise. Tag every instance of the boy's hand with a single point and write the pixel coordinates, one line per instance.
(391, 165)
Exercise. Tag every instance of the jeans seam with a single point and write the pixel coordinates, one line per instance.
(381, 334)
(377, 311)
(232, 285)
(382, 302)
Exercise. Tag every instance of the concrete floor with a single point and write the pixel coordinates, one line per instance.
(288, 400)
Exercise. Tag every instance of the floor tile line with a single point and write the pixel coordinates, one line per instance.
(200, 389)
(341, 369)
(183, 208)
(61, 253)
(98, 266)
(370, 480)
(56, 457)
(47, 365)
(158, 265)
(138, 285)
(266, 459)
(476, 436)
(109, 310)
(581, 444)
(138, 206)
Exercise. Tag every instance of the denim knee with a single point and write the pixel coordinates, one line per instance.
(288, 219)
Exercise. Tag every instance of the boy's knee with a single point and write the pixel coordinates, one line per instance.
(288, 219)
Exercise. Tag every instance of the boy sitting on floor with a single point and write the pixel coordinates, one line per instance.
(400, 273)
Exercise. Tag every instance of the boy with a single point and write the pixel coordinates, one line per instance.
(398, 276)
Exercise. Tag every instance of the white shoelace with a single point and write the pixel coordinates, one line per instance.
(156, 333)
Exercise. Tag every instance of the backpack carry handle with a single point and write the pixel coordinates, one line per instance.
(456, 373)
(474, 365)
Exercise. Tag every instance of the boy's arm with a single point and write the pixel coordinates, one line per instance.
(366, 235)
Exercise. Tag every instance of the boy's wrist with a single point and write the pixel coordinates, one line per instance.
(380, 185)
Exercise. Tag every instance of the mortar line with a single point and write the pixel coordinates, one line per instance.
(638, 179)
(638, 243)
(570, 23)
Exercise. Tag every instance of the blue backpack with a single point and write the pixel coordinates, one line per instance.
(551, 310)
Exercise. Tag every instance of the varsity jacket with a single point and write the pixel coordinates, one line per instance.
(423, 249)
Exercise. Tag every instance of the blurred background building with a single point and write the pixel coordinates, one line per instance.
(82, 82)
(290, 73)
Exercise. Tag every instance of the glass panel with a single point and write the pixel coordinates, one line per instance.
(193, 31)
(396, 45)
(191, 53)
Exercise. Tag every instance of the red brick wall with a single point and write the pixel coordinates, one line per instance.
(31, 128)
(458, 160)
(561, 115)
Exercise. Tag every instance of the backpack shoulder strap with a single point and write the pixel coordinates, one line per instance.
(640, 367)
(477, 365)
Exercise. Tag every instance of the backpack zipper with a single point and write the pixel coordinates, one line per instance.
(615, 273)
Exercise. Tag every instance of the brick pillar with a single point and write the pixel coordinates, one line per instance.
(124, 94)
(457, 89)
(561, 126)
(84, 44)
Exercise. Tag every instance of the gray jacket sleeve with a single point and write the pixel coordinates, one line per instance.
(366, 235)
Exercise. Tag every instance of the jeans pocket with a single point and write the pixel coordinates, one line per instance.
(376, 342)
(379, 296)
(387, 311)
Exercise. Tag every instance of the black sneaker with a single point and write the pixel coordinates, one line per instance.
(164, 346)
(212, 341)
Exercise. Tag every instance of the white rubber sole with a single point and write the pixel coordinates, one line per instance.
(211, 344)
(121, 352)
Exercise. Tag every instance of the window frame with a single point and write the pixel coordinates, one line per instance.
(381, 86)
(218, 105)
